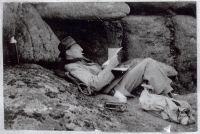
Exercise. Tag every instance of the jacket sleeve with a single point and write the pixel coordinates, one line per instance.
(102, 79)
(105, 76)
(98, 81)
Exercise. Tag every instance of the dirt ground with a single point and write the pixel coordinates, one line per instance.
(36, 99)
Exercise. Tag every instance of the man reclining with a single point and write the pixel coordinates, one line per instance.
(98, 77)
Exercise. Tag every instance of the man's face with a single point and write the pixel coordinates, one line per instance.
(74, 52)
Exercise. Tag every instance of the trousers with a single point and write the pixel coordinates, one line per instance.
(148, 70)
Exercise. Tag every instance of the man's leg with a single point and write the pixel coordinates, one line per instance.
(149, 70)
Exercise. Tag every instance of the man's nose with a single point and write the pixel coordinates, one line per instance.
(81, 49)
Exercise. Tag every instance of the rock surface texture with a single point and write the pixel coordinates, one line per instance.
(185, 41)
(35, 40)
(147, 36)
(83, 10)
(36, 99)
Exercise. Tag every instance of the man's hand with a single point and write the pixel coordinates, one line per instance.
(119, 56)
(105, 63)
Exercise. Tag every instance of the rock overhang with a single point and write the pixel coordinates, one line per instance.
(83, 10)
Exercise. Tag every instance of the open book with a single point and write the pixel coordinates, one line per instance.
(123, 69)
(112, 52)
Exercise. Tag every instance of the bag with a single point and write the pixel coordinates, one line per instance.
(168, 108)
(82, 87)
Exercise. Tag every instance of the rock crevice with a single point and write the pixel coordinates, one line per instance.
(174, 51)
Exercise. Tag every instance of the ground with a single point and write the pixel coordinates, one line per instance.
(36, 99)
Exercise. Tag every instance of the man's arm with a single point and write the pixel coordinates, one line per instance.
(105, 76)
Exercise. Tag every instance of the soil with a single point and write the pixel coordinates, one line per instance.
(36, 99)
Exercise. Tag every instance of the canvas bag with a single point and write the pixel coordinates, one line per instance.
(168, 108)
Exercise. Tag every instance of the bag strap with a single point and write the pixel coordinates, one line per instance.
(82, 87)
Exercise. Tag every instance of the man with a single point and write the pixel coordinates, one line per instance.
(94, 75)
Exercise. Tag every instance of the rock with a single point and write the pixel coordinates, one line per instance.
(185, 41)
(93, 36)
(51, 94)
(158, 8)
(25, 123)
(36, 41)
(57, 114)
(147, 36)
(83, 11)
(35, 106)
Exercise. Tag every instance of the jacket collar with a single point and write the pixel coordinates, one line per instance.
(85, 60)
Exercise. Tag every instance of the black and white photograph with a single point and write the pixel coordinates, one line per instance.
(100, 66)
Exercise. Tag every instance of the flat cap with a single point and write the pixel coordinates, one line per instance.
(66, 43)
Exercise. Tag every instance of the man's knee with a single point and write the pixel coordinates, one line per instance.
(149, 60)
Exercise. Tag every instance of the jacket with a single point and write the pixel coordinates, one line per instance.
(91, 74)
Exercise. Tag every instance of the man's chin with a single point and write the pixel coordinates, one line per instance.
(82, 56)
